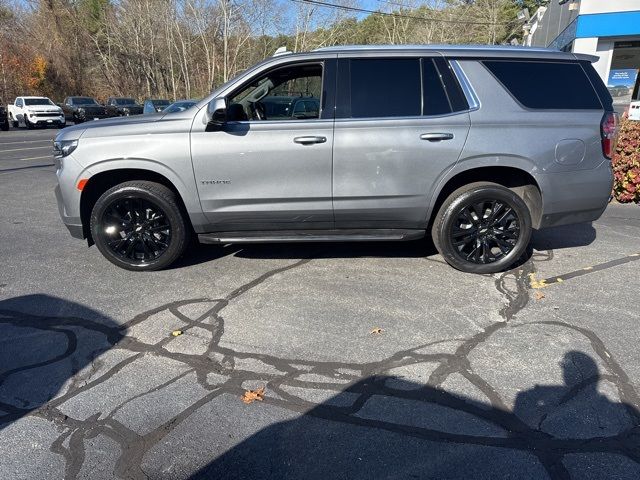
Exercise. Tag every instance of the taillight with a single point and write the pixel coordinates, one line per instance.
(609, 131)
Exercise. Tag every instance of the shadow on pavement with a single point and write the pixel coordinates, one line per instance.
(44, 342)
(370, 429)
(548, 239)
(566, 236)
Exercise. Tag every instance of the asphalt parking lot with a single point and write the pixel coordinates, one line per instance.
(377, 360)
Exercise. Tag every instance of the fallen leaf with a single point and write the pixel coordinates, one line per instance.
(539, 295)
(534, 283)
(251, 396)
(376, 331)
(176, 333)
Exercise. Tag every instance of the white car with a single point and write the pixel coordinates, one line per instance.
(35, 111)
(634, 111)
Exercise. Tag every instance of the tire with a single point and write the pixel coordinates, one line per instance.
(27, 123)
(5, 126)
(14, 123)
(482, 228)
(127, 237)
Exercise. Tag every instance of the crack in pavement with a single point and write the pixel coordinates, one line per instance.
(364, 380)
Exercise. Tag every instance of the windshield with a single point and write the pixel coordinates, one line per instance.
(84, 101)
(125, 101)
(37, 101)
(160, 103)
(179, 107)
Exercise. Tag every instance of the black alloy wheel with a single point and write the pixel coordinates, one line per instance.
(139, 225)
(485, 231)
(482, 228)
(136, 229)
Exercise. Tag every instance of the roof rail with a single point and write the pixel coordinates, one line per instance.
(281, 51)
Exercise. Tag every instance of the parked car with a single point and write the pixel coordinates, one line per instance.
(81, 109)
(477, 146)
(618, 90)
(180, 106)
(4, 118)
(634, 111)
(286, 107)
(123, 107)
(155, 106)
(35, 112)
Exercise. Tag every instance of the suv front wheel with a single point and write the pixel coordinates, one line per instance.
(139, 225)
(482, 228)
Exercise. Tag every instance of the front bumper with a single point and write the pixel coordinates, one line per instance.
(68, 196)
(575, 197)
(47, 119)
(86, 116)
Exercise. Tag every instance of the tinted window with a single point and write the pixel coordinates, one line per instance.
(83, 101)
(435, 98)
(124, 101)
(601, 88)
(546, 85)
(385, 88)
(37, 101)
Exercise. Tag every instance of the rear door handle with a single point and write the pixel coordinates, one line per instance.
(436, 137)
(309, 140)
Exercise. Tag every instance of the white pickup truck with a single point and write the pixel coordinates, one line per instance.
(35, 111)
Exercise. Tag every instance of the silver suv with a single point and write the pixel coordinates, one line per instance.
(477, 146)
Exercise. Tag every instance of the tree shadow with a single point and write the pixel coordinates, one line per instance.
(45, 342)
(386, 427)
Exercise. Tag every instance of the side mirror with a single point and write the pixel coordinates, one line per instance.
(217, 112)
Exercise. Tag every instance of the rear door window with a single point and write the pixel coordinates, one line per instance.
(435, 100)
(397, 87)
(546, 85)
(385, 87)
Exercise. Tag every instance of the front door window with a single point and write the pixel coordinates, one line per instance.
(278, 95)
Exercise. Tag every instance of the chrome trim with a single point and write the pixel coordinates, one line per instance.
(467, 88)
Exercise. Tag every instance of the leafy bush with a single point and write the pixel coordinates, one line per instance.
(626, 163)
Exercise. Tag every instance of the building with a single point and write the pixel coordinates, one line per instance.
(609, 29)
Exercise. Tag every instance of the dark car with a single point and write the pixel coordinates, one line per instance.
(155, 105)
(180, 106)
(123, 107)
(4, 118)
(618, 90)
(81, 109)
(290, 107)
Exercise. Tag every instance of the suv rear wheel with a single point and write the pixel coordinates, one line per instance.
(139, 225)
(482, 228)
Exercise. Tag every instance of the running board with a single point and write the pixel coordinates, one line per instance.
(284, 236)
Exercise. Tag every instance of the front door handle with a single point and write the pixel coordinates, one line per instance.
(436, 137)
(309, 140)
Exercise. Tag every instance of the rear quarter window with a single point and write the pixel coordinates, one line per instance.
(546, 85)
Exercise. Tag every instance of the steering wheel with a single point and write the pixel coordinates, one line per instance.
(258, 111)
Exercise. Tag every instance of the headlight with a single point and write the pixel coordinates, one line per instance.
(62, 148)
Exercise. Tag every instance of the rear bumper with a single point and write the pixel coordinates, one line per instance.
(575, 197)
